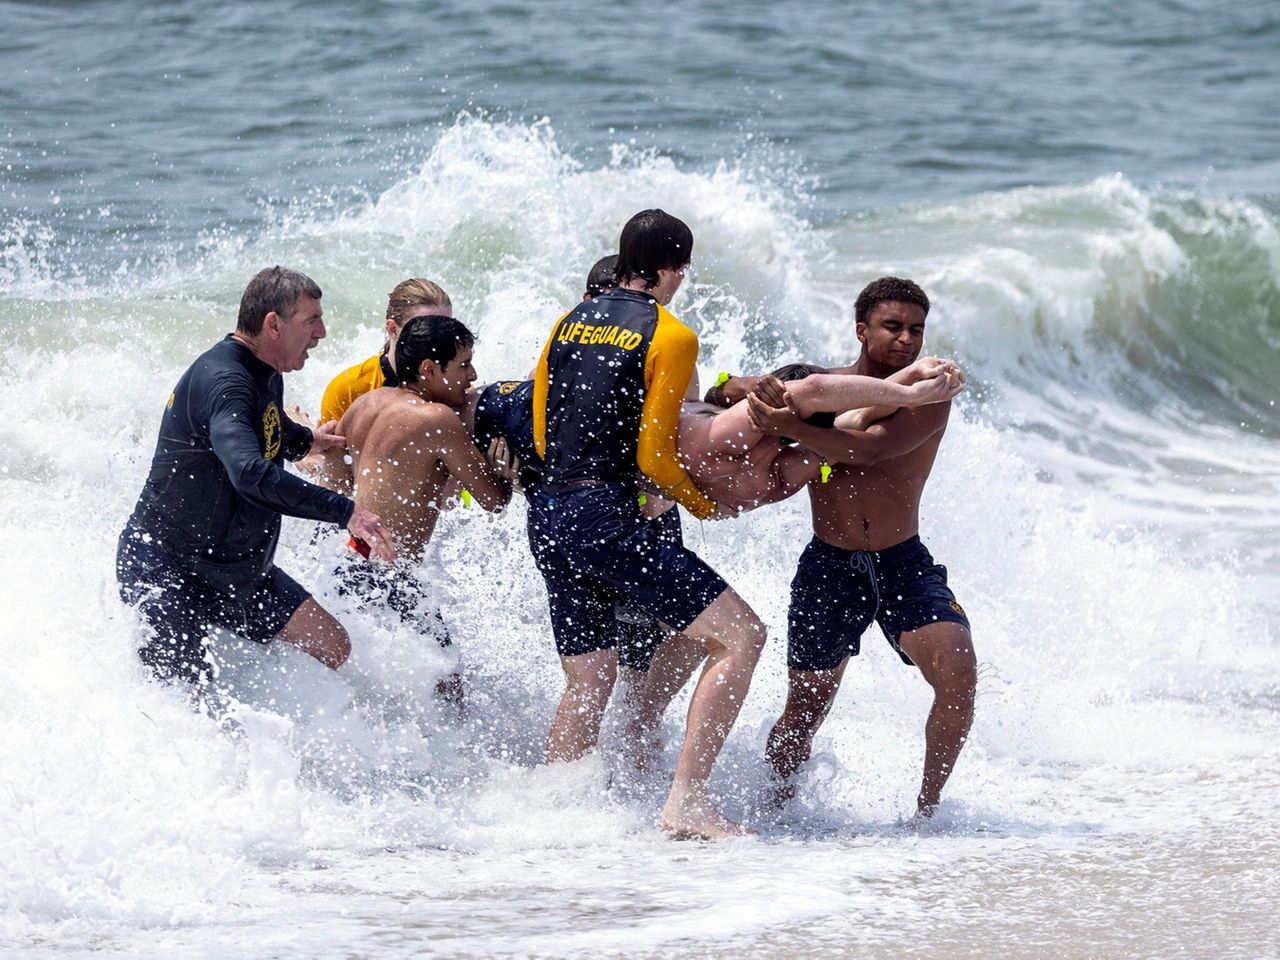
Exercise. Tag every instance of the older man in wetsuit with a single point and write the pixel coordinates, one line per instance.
(198, 552)
(866, 560)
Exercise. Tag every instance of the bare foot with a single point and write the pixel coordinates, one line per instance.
(694, 818)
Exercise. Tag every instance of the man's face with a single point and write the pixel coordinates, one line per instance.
(453, 379)
(893, 334)
(298, 334)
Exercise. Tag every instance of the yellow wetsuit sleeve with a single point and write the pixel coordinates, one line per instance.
(351, 383)
(668, 368)
(541, 386)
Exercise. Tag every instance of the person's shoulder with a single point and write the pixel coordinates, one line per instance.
(222, 365)
(409, 411)
(364, 370)
(673, 326)
(672, 334)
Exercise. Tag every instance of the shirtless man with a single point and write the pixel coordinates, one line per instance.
(405, 444)
(866, 560)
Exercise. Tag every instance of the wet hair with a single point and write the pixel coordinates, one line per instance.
(798, 371)
(414, 292)
(429, 338)
(653, 240)
(273, 290)
(603, 276)
(884, 290)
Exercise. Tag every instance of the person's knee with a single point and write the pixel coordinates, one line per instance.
(749, 635)
(339, 646)
(590, 676)
(314, 630)
(951, 667)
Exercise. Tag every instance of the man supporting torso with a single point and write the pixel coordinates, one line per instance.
(406, 444)
(607, 396)
(866, 561)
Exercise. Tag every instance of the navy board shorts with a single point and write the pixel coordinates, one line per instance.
(184, 608)
(594, 548)
(837, 593)
(639, 632)
(392, 585)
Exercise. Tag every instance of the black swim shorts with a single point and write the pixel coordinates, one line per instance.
(639, 632)
(837, 593)
(183, 608)
(594, 548)
(392, 585)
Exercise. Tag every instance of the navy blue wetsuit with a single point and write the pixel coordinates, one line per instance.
(505, 409)
(198, 551)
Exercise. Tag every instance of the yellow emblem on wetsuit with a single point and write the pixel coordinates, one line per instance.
(958, 609)
(172, 397)
(271, 431)
(508, 387)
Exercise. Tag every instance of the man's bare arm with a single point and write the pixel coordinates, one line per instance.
(457, 451)
(892, 437)
(928, 380)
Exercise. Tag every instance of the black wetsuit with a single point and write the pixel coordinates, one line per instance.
(198, 551)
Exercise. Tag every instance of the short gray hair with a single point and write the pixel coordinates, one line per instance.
(275, 289)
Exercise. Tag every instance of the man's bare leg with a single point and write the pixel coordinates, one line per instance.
(944, 654)
(589, 680)
(651, 693)
(735, 636)
(810, 694)
(313, 629)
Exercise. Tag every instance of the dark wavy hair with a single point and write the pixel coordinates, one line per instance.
(603, 276)
(429, 338)
(653, 240)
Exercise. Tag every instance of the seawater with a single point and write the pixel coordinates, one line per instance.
(1105, 498)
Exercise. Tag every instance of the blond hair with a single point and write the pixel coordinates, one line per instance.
(414, 292)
